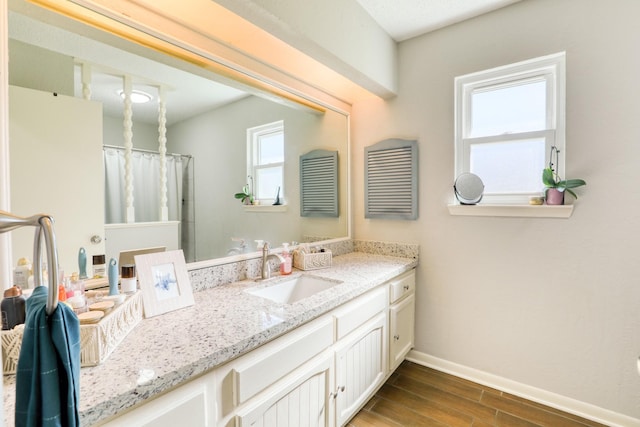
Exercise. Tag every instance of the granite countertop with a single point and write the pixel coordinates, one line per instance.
(225, 322)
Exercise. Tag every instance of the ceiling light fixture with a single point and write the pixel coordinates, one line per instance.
(137, 96)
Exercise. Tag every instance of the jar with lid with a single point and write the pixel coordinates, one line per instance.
(99, 266)
(128, 283)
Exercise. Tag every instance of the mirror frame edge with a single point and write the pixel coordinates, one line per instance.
(5, 195)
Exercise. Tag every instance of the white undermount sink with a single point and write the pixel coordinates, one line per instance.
(288, 291)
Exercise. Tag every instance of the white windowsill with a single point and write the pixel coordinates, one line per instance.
(265, 208)
(523, 211)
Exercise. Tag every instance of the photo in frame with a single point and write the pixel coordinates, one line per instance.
(164, 282)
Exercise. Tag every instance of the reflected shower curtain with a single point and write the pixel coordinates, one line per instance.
(146, 186)
(146, 191)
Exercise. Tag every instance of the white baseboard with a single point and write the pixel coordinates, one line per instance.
(563, 403)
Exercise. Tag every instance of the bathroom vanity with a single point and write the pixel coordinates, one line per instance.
(236, 358)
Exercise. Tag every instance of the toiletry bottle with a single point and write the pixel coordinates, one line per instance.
(13, 308)
(128, 283)
(21, 273)
(82, 263)
(99, 268)
(78, 300)
(285, 266)
(62, 290)
(113, 277)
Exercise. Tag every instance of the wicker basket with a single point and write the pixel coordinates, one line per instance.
(97, 341)
(314, 261)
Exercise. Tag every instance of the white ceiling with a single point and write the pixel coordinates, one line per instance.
(404, 19)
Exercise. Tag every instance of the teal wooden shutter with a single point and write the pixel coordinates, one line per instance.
(391, 179)
(319, 184)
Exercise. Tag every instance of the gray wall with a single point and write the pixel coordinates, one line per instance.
(549, 303)
(217, 141)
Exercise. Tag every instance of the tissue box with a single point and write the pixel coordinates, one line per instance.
(314, 261)
(97, 341)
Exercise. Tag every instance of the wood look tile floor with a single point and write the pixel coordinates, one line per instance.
(418, 396)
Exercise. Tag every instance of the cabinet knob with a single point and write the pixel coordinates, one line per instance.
(334, 396)
(396, 337)
(406, 287)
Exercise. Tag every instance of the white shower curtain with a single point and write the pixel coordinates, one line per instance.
(146, 186)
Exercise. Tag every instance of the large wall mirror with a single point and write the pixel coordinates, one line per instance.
(67, 157)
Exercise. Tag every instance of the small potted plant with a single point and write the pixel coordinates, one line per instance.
(245, 195)
(555, 186)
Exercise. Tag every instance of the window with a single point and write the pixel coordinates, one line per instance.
(265, 161)
(506, 121)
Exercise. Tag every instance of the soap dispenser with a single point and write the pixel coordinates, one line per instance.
(285, 265)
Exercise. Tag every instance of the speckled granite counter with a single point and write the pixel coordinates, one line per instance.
(225, 322)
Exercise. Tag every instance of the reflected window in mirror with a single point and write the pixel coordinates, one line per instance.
(266, 161)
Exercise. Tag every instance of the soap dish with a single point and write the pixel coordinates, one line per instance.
(104, 306)
(90, 317)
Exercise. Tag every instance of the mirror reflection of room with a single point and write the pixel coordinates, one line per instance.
(182, 200)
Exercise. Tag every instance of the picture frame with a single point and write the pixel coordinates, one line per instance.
(164, 282)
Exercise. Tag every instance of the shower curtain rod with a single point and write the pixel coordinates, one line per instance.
(142, 150)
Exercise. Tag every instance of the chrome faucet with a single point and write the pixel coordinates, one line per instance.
(266, 270)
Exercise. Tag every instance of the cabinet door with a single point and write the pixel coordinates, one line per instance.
(299, 401)
(360, 367)
(401, 321)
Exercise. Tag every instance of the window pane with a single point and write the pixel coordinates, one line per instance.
(267, 182)
(271, 148)
(510, 166)
(508, 109)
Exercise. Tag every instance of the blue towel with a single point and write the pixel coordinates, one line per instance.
(48, 375)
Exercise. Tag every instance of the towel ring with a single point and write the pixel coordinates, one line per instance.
(44, 228)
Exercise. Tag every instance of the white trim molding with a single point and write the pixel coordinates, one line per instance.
(563, 403)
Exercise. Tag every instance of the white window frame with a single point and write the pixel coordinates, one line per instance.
(550, 68)
(253, 138)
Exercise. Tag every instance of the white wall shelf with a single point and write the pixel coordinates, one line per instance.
(265, 208)
(522, 211)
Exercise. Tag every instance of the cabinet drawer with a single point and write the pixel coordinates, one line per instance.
(401, 286)
(257, 373)
(354, 314)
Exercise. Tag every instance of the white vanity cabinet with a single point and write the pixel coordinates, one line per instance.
(318, 374)
(401, 317)
(321, 374)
